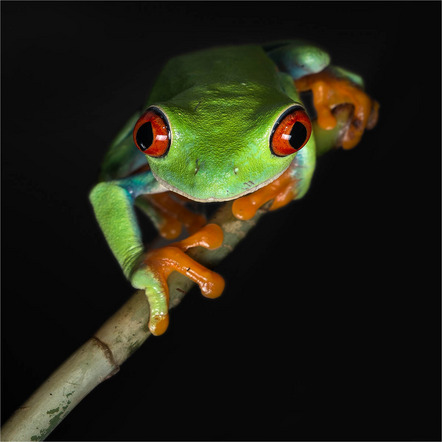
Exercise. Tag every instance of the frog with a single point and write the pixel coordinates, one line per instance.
(241, 123)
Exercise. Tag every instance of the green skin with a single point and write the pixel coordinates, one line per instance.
(222, 105)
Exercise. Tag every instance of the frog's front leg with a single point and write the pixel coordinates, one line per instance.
(343, 112)
(292, 184)
(154, 267)
(113, 204)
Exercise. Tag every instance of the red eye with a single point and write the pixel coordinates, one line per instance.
(152, 134)
(291, 132)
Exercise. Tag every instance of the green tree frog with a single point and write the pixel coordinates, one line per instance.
(242, 123)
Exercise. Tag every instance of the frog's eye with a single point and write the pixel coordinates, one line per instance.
(152, 133)
(291, 132)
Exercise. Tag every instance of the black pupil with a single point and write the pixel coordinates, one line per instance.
(145, 136)
(298, 135)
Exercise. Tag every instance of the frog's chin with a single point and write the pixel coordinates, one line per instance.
(215, 199)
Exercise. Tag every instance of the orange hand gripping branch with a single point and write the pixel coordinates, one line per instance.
(162, 262)
(281, 191)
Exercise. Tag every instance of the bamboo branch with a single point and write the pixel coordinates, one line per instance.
(120, 336)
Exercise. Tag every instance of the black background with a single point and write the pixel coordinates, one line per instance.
(329, 327)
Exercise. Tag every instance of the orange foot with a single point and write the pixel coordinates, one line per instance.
(158, 264)
(330, 91)
(281, 191)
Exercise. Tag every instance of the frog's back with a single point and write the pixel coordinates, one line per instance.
(222, 65)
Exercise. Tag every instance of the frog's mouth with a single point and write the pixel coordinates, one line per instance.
(219, 194)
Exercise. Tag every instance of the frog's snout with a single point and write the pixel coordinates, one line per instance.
(199, 165)
(216, 177)
(215, 182)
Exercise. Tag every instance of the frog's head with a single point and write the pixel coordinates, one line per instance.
(220, 145)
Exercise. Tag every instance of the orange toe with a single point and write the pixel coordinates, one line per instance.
(158, 324)
(330, 91)
(162, 262)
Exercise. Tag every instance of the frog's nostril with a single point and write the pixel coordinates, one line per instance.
(235, 171)
(197, 166)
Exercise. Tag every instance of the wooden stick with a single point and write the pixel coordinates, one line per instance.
(118, 338)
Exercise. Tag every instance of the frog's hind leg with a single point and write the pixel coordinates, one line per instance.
(168, 213)
(113, 203)
(334, 97)
(297, 58)
(343, 110)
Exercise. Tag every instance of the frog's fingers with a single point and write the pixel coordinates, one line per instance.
(157, 265)
(164, 261)
(292, 184)
(281, 192)
(159, 308)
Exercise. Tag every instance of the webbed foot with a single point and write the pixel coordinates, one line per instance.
(156, 266)
(335, 87)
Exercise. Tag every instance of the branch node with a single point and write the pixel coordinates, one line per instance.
(108, 354)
